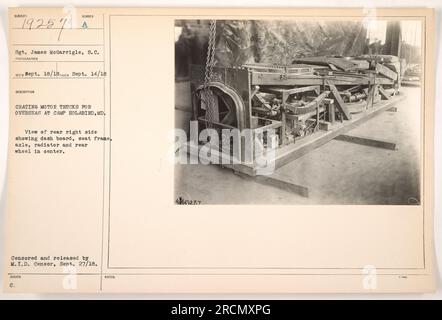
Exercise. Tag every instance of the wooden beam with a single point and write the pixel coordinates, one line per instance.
(279, 181)
(275, 79)
(370, 96)
(384, 93)
(283, 121)
(262, 101)
(339, 102)
(367, 141)
(340, 63)
(386, 71)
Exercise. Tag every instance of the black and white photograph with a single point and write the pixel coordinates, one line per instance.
(299, 112)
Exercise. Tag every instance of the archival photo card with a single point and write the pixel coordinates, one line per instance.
(220, 151)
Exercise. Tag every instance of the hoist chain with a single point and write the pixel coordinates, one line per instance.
(208, 76)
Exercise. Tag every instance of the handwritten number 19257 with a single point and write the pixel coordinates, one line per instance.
(32, 23)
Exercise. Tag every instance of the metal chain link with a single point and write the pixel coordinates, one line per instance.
(208, 76)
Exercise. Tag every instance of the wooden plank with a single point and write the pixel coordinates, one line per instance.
(367, 141)
(383, 81)
(386, 71)
(340, 63)
(361, 64)
(284, 122)
(279, 181)
(384, 93)
(370, 96)
(275, 79)
(261, 79)
(272, 79)
(292, 68)
(226, 160)
(339, 102)
(262, 101)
